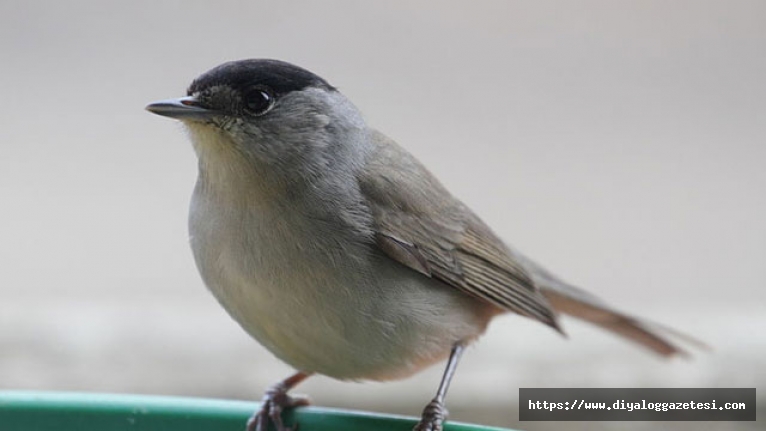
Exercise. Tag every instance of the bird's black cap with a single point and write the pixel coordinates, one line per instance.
(280, 76)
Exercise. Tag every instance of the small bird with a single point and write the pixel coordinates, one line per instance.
(338, 251)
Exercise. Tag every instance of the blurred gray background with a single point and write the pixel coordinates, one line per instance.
(622, 144)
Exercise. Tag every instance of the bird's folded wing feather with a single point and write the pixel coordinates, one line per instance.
(421, 225)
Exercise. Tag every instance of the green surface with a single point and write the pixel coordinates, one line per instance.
(51, 411)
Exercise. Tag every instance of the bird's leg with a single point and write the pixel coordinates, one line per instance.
(435, 413)
(274, 401)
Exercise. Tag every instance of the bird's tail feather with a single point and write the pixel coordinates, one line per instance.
(647, 334)
(568, 299)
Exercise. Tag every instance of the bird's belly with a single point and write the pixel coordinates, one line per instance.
(365, 318)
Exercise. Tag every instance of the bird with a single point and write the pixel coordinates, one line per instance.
(338, 251)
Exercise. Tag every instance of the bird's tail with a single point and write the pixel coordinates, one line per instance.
(573, 301)
(650, 335)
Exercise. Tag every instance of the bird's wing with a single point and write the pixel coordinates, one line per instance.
(421, 225)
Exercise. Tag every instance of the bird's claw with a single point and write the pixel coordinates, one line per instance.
(433, 417)
(272, 405)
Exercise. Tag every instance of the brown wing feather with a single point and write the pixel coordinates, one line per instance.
(421, 225)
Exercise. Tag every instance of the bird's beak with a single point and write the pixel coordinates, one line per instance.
(183, 108)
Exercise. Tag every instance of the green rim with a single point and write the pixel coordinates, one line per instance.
(63, 411)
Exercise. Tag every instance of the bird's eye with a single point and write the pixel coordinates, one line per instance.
(258, 100)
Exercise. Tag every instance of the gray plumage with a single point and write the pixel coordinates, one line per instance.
(335, 248)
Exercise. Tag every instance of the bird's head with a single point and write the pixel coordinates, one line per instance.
(269, 114)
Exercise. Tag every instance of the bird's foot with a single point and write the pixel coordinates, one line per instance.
(274, 401)
(433, 417)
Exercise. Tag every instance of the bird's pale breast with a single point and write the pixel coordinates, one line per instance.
(349, 313)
